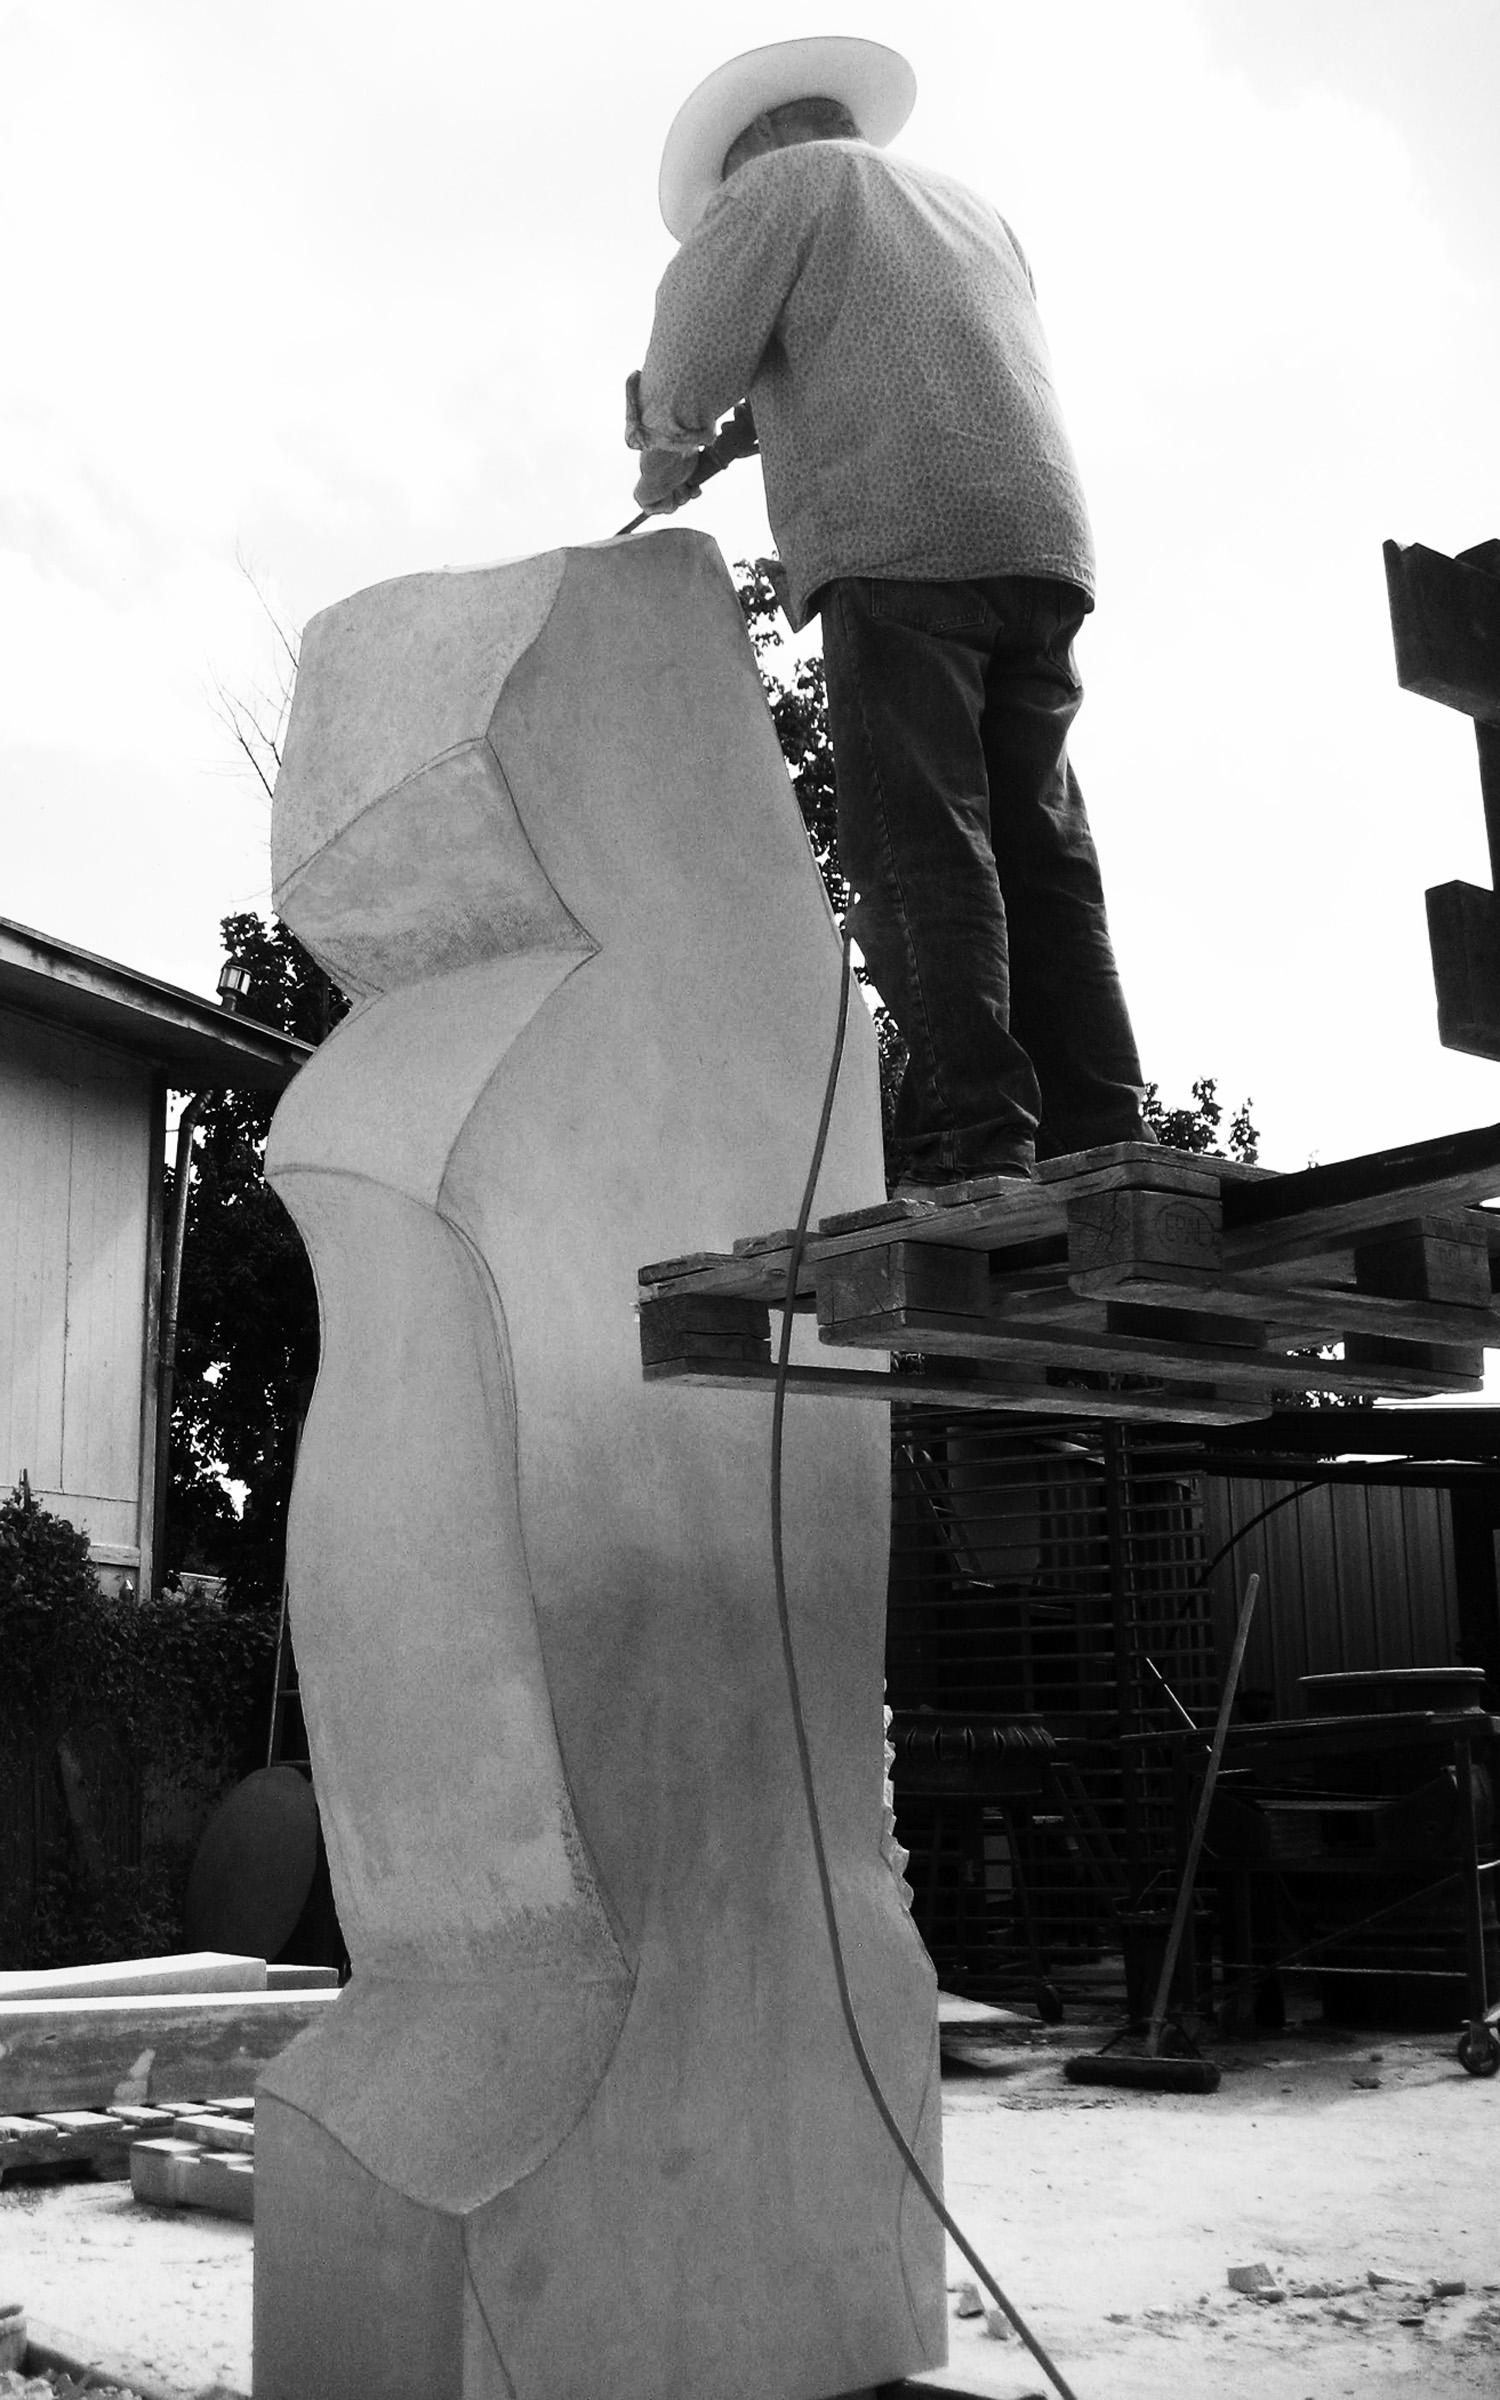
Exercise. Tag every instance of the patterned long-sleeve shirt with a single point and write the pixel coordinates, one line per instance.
(881, 320)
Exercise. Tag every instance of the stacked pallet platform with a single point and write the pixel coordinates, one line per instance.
(99, 2138)
(95, 2060)
(175, 2156)
(1133, 1282)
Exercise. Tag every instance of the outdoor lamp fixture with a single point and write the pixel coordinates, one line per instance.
(234, 984)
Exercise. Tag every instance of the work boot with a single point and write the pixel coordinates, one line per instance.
(947, 1187)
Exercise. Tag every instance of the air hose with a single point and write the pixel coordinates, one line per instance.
(804, 1754)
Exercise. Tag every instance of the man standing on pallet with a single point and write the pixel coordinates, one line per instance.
(919, 482)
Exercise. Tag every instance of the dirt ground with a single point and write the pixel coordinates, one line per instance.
(1360, 2170)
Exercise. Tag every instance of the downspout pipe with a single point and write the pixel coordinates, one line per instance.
(182, 1176)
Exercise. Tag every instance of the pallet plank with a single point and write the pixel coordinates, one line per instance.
(1084, 1346)
(1304, 1313)
(1354, 1195)
(1178, 1404)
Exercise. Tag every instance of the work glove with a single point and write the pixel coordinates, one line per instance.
(668, 477)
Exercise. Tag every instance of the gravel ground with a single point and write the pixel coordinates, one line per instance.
(1360, 2173)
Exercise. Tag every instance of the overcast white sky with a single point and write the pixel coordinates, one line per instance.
(351, 290)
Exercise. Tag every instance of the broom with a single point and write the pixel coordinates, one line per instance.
(1149, 2070)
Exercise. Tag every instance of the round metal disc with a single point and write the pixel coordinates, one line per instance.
(255, 1866)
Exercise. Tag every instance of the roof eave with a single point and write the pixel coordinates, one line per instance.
(198, 1045)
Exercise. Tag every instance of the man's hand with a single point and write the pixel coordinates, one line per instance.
(667, 479)
(667, 476)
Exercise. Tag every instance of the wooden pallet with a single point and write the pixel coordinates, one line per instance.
(1131, 1282)
(102, 2138)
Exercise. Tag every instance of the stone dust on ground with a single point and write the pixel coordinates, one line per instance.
(168, 2289)
(1359, 2172)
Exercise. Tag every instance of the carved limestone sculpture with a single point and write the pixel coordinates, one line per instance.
(585, 2121)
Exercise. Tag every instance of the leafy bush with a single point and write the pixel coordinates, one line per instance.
(137, 1915)
(159, 1670)
(48, 1608)
(170, 1695)
(1197, 1128)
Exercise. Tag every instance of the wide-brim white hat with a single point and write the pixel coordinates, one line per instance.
(875, 84)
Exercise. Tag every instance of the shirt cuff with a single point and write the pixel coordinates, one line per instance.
(650, 425)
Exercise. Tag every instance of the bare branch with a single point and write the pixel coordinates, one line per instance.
(255, 718)
(258, 743)
(289, 639)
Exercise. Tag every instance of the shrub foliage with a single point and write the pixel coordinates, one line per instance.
(174, 1688)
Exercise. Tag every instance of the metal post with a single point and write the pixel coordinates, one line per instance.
(1122, 1618)
(182, 1177)
(1473, 1886)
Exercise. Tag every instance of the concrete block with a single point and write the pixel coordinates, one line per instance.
(585, 2118)
(173, 2173)
(217, 2133)
(223, 2184)
(158, 2169)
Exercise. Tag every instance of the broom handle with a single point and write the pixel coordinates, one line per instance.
(1200, 1821)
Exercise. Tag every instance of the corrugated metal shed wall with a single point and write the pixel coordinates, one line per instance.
(1351, 1578)
(75, 1186)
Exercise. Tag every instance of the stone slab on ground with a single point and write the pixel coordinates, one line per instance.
(57, 2054)
(137, 1978)
(958, 2015)
(213, 2131)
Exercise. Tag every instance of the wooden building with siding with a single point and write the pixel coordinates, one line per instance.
(88, 1052)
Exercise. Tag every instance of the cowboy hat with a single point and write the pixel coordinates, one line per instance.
(875, 84)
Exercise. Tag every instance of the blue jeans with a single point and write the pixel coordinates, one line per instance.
(979, 908)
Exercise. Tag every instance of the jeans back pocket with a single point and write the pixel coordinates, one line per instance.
(929, 607)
